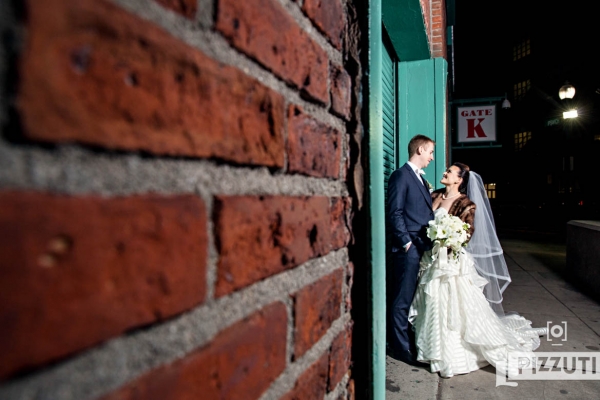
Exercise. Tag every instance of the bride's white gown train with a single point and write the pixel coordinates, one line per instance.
(456, 330)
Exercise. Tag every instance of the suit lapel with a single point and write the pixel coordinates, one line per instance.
(420, 182)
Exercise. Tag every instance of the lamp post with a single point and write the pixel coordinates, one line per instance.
(505, 103)
(567, 91)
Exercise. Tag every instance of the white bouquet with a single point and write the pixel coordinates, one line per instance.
(448, 231)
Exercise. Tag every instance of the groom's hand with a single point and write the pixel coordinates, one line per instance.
(407, 246)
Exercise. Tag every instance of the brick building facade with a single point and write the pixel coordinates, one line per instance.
(182, 203)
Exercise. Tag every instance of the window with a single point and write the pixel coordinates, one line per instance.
(490, 188)
(521, 88)
(522, 49)
(521, 139)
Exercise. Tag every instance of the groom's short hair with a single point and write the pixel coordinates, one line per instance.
(416, 142)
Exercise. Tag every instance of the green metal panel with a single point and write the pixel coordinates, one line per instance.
(376, 203)
(422, 110)
(403, 20)
(416, 100)
(450, 12)
(440, 74)
(390, 133)
(388, 74)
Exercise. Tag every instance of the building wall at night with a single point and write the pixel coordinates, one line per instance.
(527, 54)
(558, 154)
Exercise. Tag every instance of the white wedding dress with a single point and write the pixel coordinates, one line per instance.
(456, 330)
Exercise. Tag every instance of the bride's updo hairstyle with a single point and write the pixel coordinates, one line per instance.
(464, 174)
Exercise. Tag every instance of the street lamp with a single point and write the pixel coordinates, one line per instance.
(505, 103)
(567, 91)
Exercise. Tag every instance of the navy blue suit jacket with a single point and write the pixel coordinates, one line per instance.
(409, 209)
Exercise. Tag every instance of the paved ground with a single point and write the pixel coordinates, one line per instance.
(540, 293)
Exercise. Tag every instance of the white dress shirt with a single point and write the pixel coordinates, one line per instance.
(416, 171)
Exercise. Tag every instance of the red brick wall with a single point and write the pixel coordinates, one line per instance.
(434, 16)
(438, 29)
(177, 216)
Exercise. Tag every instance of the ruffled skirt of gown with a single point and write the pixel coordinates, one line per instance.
(456, 330)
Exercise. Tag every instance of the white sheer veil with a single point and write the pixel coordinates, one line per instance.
(485, 247)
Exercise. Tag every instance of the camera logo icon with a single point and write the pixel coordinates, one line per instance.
(556, 332)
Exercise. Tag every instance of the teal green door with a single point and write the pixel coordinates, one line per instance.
(389, 114)
(389, 97)
(422, 110)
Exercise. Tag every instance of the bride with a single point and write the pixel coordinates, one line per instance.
(457, 313)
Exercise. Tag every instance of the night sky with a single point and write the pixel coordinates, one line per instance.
(567, 36)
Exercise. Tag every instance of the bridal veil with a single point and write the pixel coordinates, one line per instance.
(485, 247)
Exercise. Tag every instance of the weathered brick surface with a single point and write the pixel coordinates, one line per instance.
(260, 236)
(240, 363)
(187, 8)
(426, 14)
(266, 32)
(340, 221)
(315, 312)
(314, 148)
(312, 384)
(341, 91)
(93, 73)
(78, 270)
(438, 29)
(328, 16)
(340, 357)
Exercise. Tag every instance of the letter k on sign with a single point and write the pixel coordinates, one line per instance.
(475, 128)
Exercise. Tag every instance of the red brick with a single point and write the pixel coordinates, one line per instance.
(340, 357)
(312, 384)
(78, 270)
(341, 92)
(95, 74)
(340, 221)
(425, 10)
(187, 8)
(241, 363)
(266, 32)
(438, 48)
(316, 307)
(261, 236)
(328, 16)
(436, 19)
(314, 148)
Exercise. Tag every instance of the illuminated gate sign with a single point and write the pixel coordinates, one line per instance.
(476, 124)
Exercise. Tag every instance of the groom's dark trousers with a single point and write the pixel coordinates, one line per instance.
(409, 211)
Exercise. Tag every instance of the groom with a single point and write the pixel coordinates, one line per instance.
(409, 211)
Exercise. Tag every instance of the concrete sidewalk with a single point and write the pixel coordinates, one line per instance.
(540, 294)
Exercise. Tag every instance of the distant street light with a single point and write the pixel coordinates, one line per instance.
(567, 91)
(505, 103)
